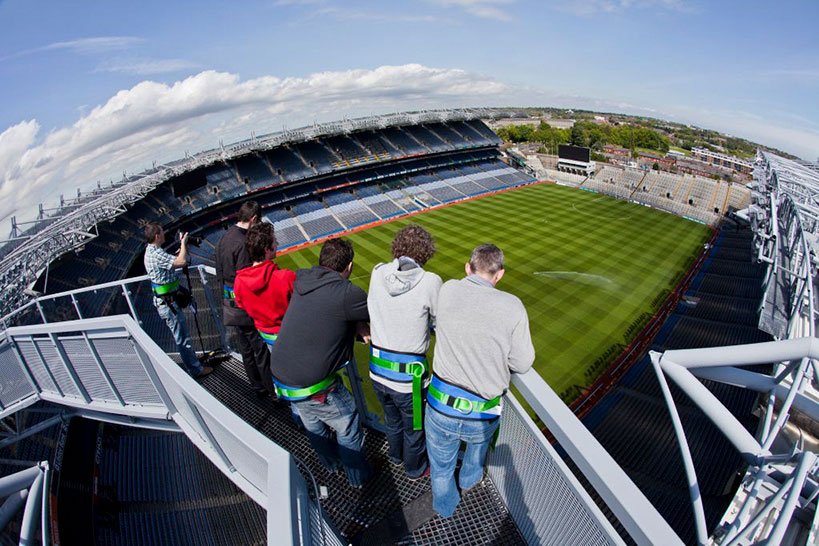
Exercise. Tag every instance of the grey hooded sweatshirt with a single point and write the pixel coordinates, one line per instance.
(402, 300)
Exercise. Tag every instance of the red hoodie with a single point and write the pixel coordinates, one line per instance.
(263, 291)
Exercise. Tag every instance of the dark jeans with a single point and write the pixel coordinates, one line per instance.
(255, 356)
(336, 414)
(405, 444)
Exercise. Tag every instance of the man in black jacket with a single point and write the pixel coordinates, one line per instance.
(315, 341)
(231, 256)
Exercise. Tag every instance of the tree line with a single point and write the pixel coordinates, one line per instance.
(589, 134)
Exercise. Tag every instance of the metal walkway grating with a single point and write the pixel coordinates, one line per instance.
(482, 517)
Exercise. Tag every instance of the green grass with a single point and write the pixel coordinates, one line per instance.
(587, 267)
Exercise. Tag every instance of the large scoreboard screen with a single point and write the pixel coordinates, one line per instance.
(575, 153)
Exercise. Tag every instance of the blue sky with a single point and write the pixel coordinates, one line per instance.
(90, 89)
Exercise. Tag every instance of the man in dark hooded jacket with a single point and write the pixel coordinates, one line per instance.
(231, 256)
(315, 340)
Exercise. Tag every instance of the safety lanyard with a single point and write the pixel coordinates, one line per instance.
(404, 367)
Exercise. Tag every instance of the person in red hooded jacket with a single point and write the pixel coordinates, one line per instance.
(263, 290)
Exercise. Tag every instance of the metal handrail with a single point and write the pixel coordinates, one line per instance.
(231, 444)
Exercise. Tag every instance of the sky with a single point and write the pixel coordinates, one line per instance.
(92, 90)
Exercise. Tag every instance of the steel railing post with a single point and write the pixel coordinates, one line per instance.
(127, 293)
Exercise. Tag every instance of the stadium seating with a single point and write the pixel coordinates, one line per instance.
(384, 207)
(376, 144)
(288, 233)
(353, 213)
(616, 182)
(568, 179)
(487, 136)
(403, 141)
(445, 133)
(427, 138)
(318, 156)
(255, 172)
(319, 223)
(287, 164)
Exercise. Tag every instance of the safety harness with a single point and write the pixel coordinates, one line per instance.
(270, 339)
(457, 402)
(227, 292)
(166, 289)
(402, 368)
(294, 394)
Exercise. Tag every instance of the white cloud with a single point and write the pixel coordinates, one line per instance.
(98, 44)
(593, 7)
(794, 138)
(145, 67)
(94, 45)
(485, 9)
(359, 15)
(157, 121)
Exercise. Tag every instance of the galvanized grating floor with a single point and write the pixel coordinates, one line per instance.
(482, 517)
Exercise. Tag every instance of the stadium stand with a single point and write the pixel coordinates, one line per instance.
(287, 164)
(427, 138)
(407, 145)
(694, 197)
(256, 173)
(568, 179)
(318, 156)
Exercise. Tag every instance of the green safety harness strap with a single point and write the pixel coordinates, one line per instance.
(300, 393)
(417, 369)
(165, 289)
(270, 339)
(463, 406)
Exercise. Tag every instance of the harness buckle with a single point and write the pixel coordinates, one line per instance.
(462, 406)
(416, 369)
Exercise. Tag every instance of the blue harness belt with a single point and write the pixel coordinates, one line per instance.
(402, 368)
(457, 402)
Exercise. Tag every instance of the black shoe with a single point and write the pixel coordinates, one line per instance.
(206, 371)
(261, 393)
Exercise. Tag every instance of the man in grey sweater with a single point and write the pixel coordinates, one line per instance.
(482, 338)
(402, 300)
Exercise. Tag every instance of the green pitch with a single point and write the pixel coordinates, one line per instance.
(590, 269)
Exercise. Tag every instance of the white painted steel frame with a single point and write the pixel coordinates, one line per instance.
(258, 466)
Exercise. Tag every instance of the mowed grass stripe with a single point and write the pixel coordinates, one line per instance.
(586, 266)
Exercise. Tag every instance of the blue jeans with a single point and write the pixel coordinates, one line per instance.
(444, 437)
(175, 319)
(336, 414)
(405, 444)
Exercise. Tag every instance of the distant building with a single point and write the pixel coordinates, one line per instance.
(674, 154)
(647, 160)
(616, 151)
(723, 160)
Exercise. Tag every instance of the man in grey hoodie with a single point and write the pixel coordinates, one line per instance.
(482, 338)
(402, 301)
